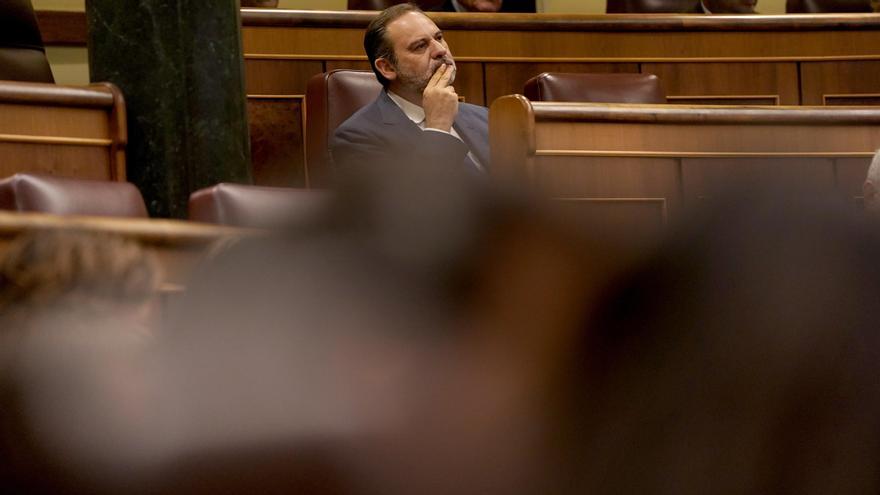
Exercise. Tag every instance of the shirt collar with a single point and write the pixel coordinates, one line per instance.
(413, 112)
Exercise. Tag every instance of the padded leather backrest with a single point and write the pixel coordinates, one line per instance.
(826, 6)
(331, 98)
(254, 206)
(22, 56)
(595, 88)
(66, 196)
(653, 7)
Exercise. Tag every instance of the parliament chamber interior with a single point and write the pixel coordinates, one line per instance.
(447, 246)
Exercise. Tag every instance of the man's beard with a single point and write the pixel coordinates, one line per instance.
(418, 82)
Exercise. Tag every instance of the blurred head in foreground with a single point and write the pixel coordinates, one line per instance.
(743, 358)
(75, 273)
(73, 308)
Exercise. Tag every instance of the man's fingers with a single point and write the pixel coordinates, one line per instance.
(437, 75)
(446, 76)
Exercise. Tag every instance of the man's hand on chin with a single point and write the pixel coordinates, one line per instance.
(439, 100)
(481, 5)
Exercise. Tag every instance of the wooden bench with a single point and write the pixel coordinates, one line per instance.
(645, 164)
(62, 130)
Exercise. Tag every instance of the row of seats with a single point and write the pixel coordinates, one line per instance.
(663, 6)
(332, 97)
(223, 204)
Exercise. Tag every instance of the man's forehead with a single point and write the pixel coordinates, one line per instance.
(411, 25)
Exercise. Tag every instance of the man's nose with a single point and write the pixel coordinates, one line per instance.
(438, 50)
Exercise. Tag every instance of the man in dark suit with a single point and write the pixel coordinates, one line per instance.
(489, 6)
(417, 119)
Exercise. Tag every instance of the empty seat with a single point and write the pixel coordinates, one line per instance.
(66, 196)
(595, 88)
(254, 206)
(331, 98)
(22, 56)
(826, 6)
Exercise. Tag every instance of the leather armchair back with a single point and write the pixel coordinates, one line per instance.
(595, 88)
(331, 98)
(253, 206)
(67, 196)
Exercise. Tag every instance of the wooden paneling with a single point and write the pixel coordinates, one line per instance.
(63, 130)
(84, 162)
(839, 78)
(704, 178)
(704, 79)
(505, 78)
(631, 219)
(609, 177)
(279, 77)
(348, 64)
(850, 174)
(609, 155)
(276, 131)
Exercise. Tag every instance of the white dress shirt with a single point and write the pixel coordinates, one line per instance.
(416, 114)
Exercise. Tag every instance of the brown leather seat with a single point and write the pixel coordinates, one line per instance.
(595, 88)
(826, 6)
(22, 56)
(653, 7)
(66, 196)
(331, 98)
(254, 206)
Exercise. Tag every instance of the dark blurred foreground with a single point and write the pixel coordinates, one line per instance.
(442, 338)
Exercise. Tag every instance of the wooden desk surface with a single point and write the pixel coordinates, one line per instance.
(178, 245)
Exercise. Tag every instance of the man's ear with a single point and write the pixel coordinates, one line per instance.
(386, 68)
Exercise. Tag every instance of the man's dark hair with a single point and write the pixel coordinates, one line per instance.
(376, 42)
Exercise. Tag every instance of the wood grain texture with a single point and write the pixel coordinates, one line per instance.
(683, 79)
(279, 77)
(575, 22)
(276, 131)
(838, 78)
(683, 154)
(704, 178)
(62, 130)
(850, 174)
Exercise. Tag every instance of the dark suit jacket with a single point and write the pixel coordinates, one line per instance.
(506, 6)
(381, 134)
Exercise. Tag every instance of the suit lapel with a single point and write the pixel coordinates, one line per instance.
(470, 134)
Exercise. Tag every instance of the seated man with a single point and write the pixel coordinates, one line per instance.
(417, 119)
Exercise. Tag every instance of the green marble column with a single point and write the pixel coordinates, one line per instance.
(179, 64)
